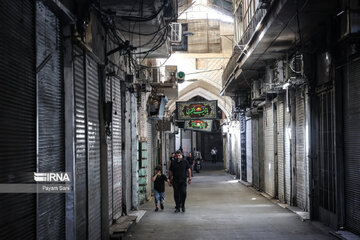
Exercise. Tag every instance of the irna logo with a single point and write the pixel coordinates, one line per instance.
(52, 177)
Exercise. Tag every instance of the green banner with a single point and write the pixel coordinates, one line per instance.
(199, 125)
(197, 110)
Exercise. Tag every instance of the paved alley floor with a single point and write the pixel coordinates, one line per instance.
(219, 207)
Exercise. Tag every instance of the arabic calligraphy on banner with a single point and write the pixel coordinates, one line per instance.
(197, 110)
(199, 125)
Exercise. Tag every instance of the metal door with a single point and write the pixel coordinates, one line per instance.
(50, 112)
(249, 165)
(114, 149)
(287, 149)
(18, 115)
(255, 152)
(80, 143)
(243, 147)
(93, 128)
(87, 146)
(280, 150)
(352, 146)
(301, 185)
(326, 179)
(117, 151)
(109, 141)
(269, 175)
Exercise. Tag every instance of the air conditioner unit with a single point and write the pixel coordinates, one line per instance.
(176, 33)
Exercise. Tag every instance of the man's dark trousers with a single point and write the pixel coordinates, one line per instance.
(179, 194)
(213, 158)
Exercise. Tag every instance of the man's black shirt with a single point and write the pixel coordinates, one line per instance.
(179, 170)
(159, 183)
(190, 160)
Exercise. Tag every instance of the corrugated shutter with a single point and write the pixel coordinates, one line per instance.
(17, 111)
(280, 151)
(255, 152)
(80, 143)
(300, 151)
(352, 147)
(269, 151)
(93, 128)
(287, 156)
(243, 147)
(261, 152)
(249, 150)
(326, 175)
(117, 148)
(109, 137)
(51, 142)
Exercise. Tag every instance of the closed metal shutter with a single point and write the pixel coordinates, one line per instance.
(269, 151)
(51, 143)
(80, 143)
(261, 153)
(287, 156)
(255, 152)
(109, 137)
(326, 181)
(300, 151)
(249, 150)
(117, 148)
(18, 115)
(243, 147)
(352, 147)
(93, 128)
(280, 151)
(150, 146)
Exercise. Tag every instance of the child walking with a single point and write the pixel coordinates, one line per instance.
(159, 180)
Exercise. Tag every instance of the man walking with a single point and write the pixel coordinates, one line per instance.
(178, 174)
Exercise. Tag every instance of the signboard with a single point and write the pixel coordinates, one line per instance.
(199, 125)
(197, 110)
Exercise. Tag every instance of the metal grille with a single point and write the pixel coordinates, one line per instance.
(93, 128)
(50, 107)
(17, 111)
(80, 144)
(269, 176)
(352, 147)
(280, 151)
(300, 151)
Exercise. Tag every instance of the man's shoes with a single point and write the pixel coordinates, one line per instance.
(156, 209)
(177, 210)
(162, 206)
(183, 208)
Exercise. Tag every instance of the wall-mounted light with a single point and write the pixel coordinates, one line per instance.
(286, 85)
